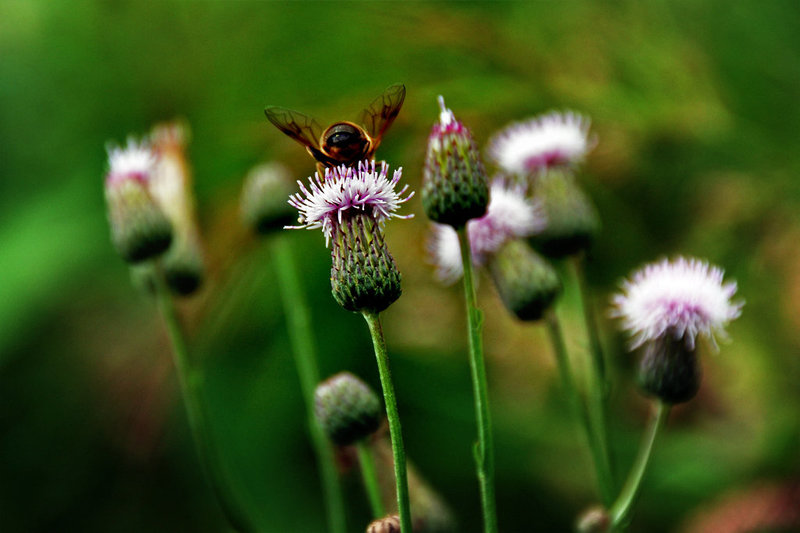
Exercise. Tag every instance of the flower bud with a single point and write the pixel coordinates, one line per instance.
(347, 408)
(593, 520)
(263, 204)
(454, 184)
(387, 524)
(140, 229)
(572, 220)
(526, 282)
(171, 186)
(364, 276)
(669, 369)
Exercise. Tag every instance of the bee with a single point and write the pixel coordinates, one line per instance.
(342, 143)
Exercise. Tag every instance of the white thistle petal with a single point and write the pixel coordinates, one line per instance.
(329, 198)
(685, 297)
(547, 140)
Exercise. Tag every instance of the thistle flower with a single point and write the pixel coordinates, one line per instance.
(140, 229)
(347, 408)
(171, 186)
(542, 142)
(350, 205)
(685, 297)
(572, 220)
(454, 186)
(264, 195)
(665, 306)
(510, 215)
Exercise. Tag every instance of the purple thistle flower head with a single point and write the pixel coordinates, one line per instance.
(135, 161)
(550, 140)
(509, 215)
(346, 191)
(140, 229)
(682, 297)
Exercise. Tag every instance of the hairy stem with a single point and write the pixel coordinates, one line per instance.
(398, 452)
(190, 383)
(484, 452)
(301, 336)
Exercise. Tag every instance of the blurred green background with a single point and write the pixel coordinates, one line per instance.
(694, 106)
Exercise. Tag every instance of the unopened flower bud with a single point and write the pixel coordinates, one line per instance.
(347, 408)
(526, 282)
(171, 186)
(264, 194)
(140, 229)
(454, 184)
(594, 520)
(387, 524)
(572, 220)
(669, 369)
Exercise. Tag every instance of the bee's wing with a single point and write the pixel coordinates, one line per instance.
(296, 125)
(380, 114)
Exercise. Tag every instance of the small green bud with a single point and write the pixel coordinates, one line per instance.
(454, 184)
(139, 228)
(669, 369)
(364, 276)
(347, 408)
(526, 282)
(387, 524)
(184, 269)
(572, 220)
(594, 520)
(264, 198)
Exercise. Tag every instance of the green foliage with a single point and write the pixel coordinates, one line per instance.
(694, 108)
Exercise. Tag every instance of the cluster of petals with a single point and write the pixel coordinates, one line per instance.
(344, 191)
(136, 160)
(510, 215)
(542, 142)
(685, 297)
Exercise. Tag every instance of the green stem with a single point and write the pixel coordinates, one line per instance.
(370, 477)
(598, 385)
(398, 453)
(298, 323)
(622, 507)
(484, 453)
(190, 383)
(578, 408)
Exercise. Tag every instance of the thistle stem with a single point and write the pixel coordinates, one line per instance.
(301, 337)
(597, 382)
(370, 478)
(190, 382)
(622, 507)
(579, 409)
(484, 451)
(398, 453)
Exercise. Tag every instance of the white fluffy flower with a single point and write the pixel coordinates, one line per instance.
(509, 215)
(685, 297)
(136, 160)
(541, 142)
(343, 190)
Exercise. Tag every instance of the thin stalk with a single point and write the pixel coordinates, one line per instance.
(398, 452)
(301, 337)
(597, 382)
(367, 462)
(190, 382)
(622, 507)
(484, 453)
(579, 409)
